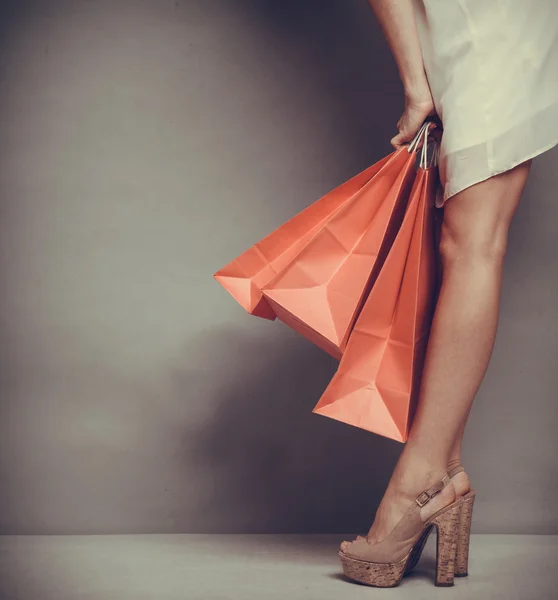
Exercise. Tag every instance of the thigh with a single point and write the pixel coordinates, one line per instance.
(484, 211)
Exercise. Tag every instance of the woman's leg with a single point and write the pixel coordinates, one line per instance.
(473, 245)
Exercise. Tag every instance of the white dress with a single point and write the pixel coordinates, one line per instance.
(492, 66)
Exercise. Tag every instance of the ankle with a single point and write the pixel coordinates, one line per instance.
(404, 496)
(412, 479)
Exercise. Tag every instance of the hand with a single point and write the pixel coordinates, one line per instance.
(417, 108)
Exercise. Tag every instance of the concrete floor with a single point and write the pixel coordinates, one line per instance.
(254, 567)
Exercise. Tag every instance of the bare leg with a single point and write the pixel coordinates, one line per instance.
(473, 245)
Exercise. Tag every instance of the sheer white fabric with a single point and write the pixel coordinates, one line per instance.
(492, 66)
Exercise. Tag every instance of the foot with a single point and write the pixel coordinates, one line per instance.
(399, 497)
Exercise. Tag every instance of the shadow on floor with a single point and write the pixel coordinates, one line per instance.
(275, 466)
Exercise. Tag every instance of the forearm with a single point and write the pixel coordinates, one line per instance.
(397, 20)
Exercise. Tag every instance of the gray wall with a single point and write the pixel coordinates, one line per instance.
(143, 145)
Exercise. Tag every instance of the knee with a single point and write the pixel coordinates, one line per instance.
(476, 222)
(481, 242)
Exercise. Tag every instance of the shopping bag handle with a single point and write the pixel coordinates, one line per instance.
(425, 163)
(423, 135)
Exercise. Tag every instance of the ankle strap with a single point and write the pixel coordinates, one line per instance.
(455, 470)
(425, 497)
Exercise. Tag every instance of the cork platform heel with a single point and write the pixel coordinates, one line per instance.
(464, 534)
(384, 563)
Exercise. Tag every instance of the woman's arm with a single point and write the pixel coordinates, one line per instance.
(397, 20)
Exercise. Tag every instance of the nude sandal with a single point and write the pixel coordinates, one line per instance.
(383, 564)
(463, 538)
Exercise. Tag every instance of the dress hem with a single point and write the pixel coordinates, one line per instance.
(496, 171)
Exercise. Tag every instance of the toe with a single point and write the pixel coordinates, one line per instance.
(346, 545)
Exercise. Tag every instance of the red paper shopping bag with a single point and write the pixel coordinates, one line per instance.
(319, 293)
(376, 385)
(245, 276)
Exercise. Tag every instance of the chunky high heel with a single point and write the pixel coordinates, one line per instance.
(464, 535)
(463, 538)
(384, 563)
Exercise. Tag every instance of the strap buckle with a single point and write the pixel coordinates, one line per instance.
(428, 494)
(423, 498)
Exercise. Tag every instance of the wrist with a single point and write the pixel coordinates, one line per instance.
(418, 94)
(416, 88)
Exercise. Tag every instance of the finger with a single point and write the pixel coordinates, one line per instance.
(397, 141)
(403, 136)
(407, 132)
